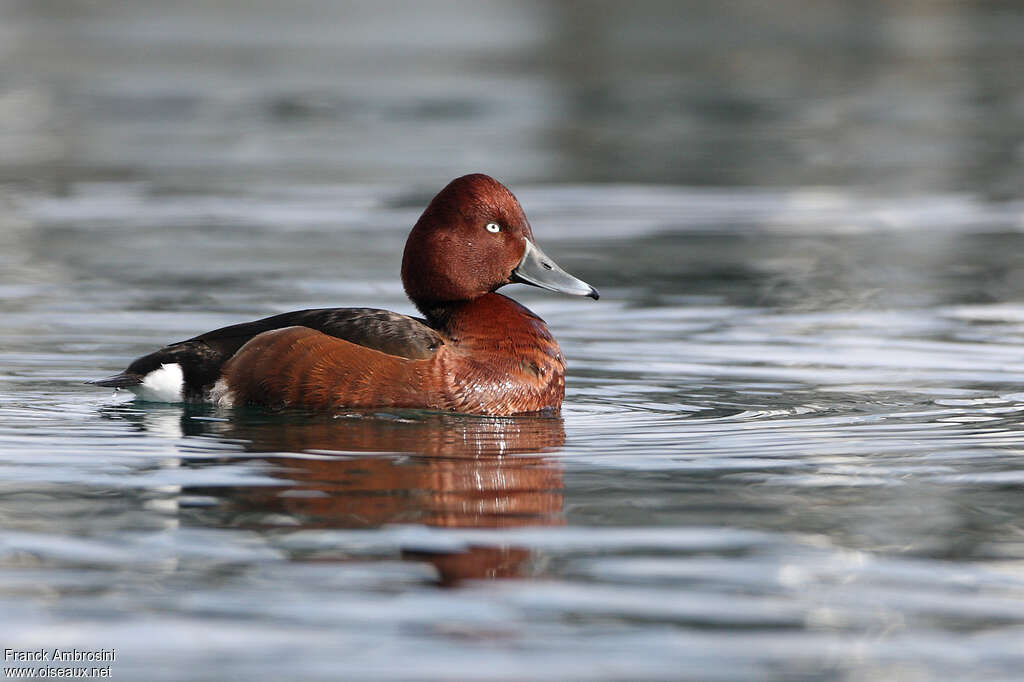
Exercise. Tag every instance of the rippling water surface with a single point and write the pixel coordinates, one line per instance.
(791, 446)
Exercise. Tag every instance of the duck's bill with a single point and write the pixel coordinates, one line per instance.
(540, 271)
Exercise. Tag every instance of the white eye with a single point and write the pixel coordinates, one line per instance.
(493, 227)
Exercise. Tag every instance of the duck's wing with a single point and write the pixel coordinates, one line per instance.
(200, 358)
(382, 330)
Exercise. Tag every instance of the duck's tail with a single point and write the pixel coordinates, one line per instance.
(122, 380)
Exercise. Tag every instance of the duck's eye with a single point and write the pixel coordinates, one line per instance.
(492, 227)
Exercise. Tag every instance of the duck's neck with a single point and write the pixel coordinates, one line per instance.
(489, 318)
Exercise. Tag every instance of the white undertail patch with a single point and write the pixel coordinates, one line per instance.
(164, 385)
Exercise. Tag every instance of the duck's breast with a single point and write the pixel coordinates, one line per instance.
(501, 359)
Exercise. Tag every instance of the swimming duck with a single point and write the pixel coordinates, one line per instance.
(473, 351)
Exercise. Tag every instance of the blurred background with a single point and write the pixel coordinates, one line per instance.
(899, 97)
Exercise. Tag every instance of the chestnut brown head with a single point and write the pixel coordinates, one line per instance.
(472, 239)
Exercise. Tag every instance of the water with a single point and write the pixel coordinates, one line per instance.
(791, 443)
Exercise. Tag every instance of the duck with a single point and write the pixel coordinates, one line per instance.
(473, 351)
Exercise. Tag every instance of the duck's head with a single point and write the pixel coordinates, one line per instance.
(472, 239)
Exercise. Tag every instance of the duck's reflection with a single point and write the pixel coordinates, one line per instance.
(439, 470)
